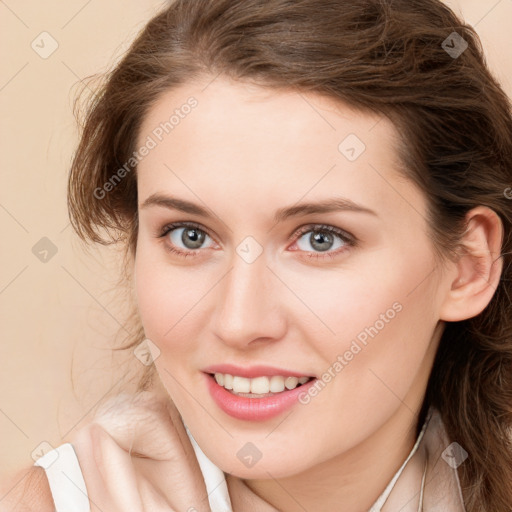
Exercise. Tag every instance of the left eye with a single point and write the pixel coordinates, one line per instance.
(322, 239)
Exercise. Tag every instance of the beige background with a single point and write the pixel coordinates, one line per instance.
(59, 317)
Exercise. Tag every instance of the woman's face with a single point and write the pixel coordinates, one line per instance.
(349, 295)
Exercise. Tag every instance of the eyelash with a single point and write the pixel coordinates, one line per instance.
(349, 240)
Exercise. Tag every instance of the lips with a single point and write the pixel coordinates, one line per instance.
(257, 408)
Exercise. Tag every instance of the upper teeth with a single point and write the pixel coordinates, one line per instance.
(259, 385)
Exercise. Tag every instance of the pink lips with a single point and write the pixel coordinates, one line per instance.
(254, 409)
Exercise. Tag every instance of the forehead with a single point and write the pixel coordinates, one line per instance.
(224, 106)
(230, 138)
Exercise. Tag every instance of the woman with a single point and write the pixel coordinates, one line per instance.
(314, 198)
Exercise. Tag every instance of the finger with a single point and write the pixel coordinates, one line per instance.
(118, 473)
(163, 489)
(185, 489)
(141, 424)
(150, 428)
(107, 471)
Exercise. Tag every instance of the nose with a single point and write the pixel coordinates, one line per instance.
(249, 308)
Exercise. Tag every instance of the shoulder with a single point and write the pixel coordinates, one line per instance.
(27, 491)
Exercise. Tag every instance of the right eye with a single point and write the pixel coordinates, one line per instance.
(191, 237)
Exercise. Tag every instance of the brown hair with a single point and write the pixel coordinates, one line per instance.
(381, 56)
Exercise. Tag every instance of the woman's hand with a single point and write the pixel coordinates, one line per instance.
(136, 456)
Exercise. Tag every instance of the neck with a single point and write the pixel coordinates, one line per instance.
(351, 482)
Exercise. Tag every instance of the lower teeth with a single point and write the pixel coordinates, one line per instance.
(252, 395)
(255, 395)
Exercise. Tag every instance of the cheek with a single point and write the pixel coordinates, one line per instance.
(154, 299)
(363, 295)
(170, 300)
(378, 315)
(157, 296)
(382, 316)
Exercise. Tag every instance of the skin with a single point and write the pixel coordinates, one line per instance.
(243, 153)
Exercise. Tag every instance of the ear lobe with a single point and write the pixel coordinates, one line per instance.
(478, 268)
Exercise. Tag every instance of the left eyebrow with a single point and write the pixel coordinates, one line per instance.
(324, 206)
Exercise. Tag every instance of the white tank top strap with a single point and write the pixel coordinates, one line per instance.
(214, 479)
(377, 506)
(65, 478)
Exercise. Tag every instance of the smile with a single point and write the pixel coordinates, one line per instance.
(248, 399)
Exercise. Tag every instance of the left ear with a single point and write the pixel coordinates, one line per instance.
(478, 268)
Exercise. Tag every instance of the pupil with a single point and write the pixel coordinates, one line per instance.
(320, 239)
(192, 238)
